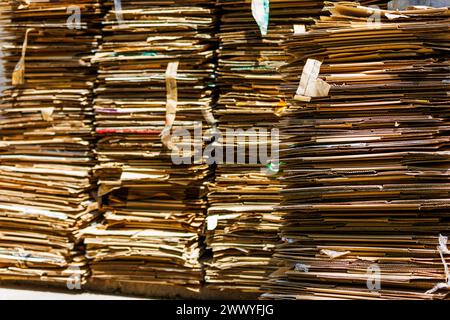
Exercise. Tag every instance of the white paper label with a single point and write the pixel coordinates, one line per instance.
(211, 222)
(299, 29)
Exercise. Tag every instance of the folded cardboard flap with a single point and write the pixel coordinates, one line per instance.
(18, 76)
(171, 104)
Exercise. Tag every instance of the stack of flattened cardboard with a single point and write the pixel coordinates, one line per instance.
(366, 157)
(243, 227)
(46, 138)
(155, 74)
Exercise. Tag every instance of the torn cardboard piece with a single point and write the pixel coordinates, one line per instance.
(311, 86)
